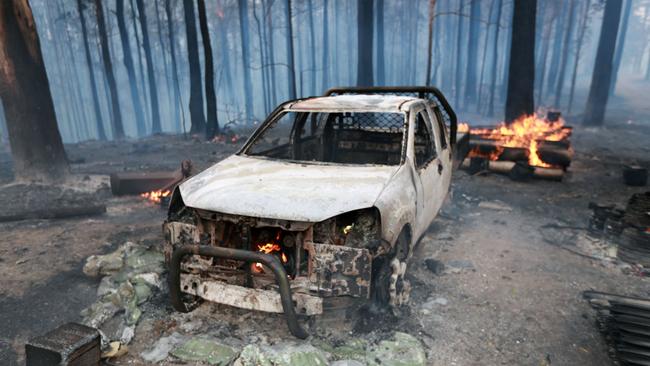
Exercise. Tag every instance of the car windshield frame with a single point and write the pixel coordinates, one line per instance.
(283, 109)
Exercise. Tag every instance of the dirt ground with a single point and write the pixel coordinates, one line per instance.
(511, 298)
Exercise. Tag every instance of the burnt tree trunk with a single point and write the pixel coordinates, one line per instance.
(312, 51)
(364, 36)
(472, 51)
(291, 79)
(172, 51)
(130, 70)
(36, 145)
(99, 121)
(565, 54)
(495, 60)
(381, 62)
(620, 44)
(432, 5)
(578, 48)
(521, 79)
(326, 46)
(246, 59)
(118, 128)
(196, 97)
(268, 14)
(212, 127)
(602, 76)
(151, 74)
(458, 76)
(143, 85)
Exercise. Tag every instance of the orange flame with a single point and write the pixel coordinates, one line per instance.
(156, 196)
(525, 132)
(269, 248)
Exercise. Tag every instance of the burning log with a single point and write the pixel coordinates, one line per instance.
(517, 171)
(550, 152)
(152, 183)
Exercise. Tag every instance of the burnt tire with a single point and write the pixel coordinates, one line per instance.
(390, 289)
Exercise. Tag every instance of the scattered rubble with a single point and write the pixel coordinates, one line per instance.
(205, 350)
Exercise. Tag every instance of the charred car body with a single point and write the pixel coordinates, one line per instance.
(324, 202)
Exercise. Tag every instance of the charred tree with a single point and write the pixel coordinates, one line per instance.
(381, 64)
(458, 78)
(291, 79)
(163, 53)
(521, 80)
(268, 14)
(246, 59)
(474, 35)
(36, 145)
(326, 46)
(620, 44)
(557, 49)
(212, 127)
(565, 54)
(196, 97)
(365, 30)
(261, 35)
(581, 36)
(432, 5)
(130, 70)
(118, 128)
(602, 76)
(99, 121)
(495, 60)
(172, 51)
(151, 74)
(143, 85)
(312, 48)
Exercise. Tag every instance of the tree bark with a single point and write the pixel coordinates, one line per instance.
(99, 121)
(36, 145)
(172, 51)
(151, 74)
(246, 60)
(291, 79)
(365, 33)
(118, 128)
(602, 76)
(130, 71)
(196, 97)
(521, 80)
(212, 127)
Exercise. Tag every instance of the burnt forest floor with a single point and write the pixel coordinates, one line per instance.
(509, 295)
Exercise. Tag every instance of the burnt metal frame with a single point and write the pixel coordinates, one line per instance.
(420, 91)
(268, 260)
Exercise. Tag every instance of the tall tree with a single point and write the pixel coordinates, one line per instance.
(268, 14)
(472, 51)
(326, 46)
(172, 51)
(118, 128)
(381, 64)
(196, 97)
(312, 48)
(495, 59)
(565, 53)
(212, 127)
(136, 34)
(521, 82)
(620, 44)
(130, 70)
(291, 79)
(151, 73)
(99, 121)
(365, 30)
(602, 76)
(458, 78)
(578, 48)
(432, 5)
(560, 29)
(246, 59)
(36, 145)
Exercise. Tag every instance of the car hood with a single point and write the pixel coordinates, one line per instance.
(275, 189)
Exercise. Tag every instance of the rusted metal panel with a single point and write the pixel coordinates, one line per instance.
(337, 270)
(248, 298)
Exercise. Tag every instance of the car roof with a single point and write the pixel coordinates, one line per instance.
(355, 102)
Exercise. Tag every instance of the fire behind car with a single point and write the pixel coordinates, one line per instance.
(323, 204)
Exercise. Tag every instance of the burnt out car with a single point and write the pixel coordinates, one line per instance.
(324, 202)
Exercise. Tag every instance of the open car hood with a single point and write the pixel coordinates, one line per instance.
(283, 190)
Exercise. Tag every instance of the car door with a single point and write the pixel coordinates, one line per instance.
(428, 168)
(445, 156)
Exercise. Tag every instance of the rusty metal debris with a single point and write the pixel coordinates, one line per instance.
(71, 344)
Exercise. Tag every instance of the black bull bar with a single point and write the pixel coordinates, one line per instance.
(268, 260)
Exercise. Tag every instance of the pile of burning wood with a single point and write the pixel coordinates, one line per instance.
(530, 147)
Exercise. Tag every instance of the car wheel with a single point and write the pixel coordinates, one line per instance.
(390, 287)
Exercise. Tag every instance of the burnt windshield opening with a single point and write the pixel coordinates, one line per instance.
(332, 137)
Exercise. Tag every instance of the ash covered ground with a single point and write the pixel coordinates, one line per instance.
(503, 290)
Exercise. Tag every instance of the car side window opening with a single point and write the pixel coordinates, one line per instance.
(333, 137)
(425, 150)
(442, 136)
